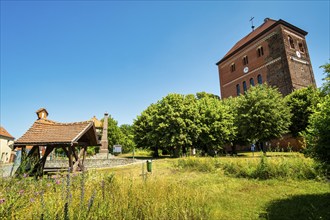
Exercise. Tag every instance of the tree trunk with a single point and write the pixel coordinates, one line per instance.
(155, 153)
(176, 152)
(233, 149)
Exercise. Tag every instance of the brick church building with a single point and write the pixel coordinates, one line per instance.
(275, 52)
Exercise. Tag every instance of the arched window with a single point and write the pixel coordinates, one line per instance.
(251, 82)
(245, 60)
(244, 86)
(301, 47)
(260, 51)
(291, 42)
(259, 79)
(232, 67)
(238, 90)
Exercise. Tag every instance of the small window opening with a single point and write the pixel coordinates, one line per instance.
(232, 67)
(259, 79)
(238, 90)
(245, 60)
(301, 47)
(291, 42)
(252, 82)
(260, 51)
(244, 86)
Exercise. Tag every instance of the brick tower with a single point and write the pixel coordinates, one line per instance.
(104, 139)
(274, 53)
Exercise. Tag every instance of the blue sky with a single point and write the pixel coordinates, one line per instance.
(78, 59)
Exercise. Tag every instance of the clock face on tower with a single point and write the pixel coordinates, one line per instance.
(298, 54)
(246, 69)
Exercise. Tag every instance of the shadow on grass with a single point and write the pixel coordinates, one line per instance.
(316, 206)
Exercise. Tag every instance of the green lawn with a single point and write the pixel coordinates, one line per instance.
(189, 188)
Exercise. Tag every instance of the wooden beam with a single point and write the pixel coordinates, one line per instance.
(70, 158)
(78, 160)
(84, 151)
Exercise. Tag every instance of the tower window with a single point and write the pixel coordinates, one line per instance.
(252, 82)
(259, 79)
(232, 67)
(238, 90)
(291, 42)
(301, 47)
(245, 60)
(260, 51)
(244, 86)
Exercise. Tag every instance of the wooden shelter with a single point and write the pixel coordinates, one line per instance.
(50, 134)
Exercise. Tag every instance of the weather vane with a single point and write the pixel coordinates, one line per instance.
(252, 23)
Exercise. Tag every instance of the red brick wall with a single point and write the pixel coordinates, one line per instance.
(275, 66)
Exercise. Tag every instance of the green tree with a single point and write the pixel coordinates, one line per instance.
(178, 122)
(262, 114)
(326, 84)
(127, 138)
(238, 137)
(216, 124)
(175, 122)
(144, 128)
(201, 95)
(302, 104)
(317, 134)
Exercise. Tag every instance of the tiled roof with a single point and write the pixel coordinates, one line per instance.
(5, 133)
(45, 131)
(268, 24)
(250, 36)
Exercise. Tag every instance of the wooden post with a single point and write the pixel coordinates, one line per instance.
(65, 151)
(70, 158)
(78, 161)
(84, 156)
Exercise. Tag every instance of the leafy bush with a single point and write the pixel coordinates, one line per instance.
(317, 135)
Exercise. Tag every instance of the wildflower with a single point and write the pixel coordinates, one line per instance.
(2, 201)
(58, 182)
(32, 200)
(25, 175)
(21, 192)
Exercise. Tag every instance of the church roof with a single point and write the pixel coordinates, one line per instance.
(266, 26)
(5, 133)
(47, 132)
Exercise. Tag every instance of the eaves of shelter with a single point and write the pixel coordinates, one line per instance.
(261, 30)
(47, 132)
(5, 134)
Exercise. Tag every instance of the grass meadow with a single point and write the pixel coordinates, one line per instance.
(279, 186)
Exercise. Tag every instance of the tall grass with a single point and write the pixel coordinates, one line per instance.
(100, 196)
(296, 167)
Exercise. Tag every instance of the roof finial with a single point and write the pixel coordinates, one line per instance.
(252, 23)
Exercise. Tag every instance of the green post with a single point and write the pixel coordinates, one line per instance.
(149, 166)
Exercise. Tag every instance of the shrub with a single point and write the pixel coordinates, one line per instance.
(317, 135)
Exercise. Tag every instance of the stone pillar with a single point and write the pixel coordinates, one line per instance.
(104, 139)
